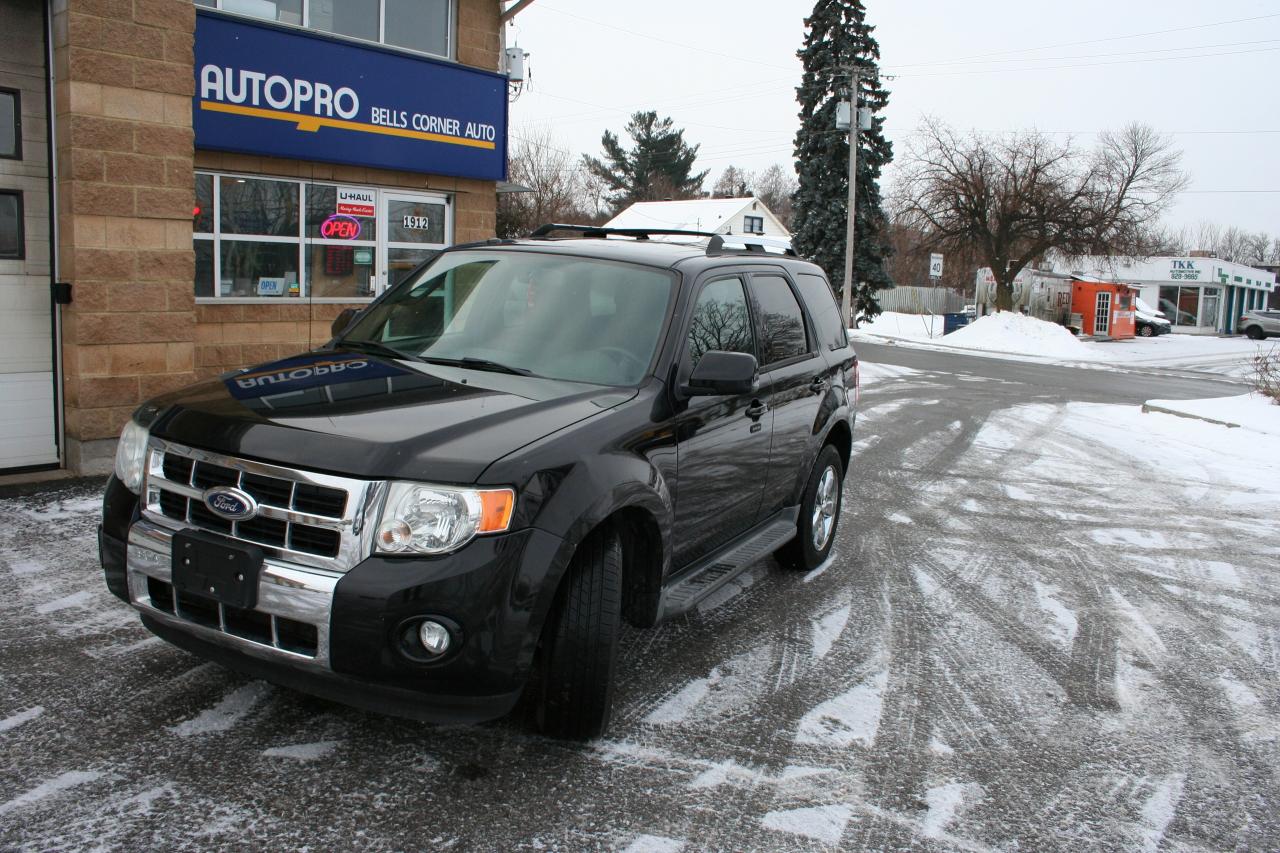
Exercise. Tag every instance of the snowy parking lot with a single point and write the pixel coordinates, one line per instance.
(1051, 622)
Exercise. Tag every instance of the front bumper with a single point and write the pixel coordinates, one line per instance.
(339, 635)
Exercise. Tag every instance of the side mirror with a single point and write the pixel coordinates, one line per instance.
(342, 321)
(721, 372)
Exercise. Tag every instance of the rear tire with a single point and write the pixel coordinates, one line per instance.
(1255, 333)
(574, 686)
(819, 514)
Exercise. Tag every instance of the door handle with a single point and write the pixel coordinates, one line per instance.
(818, 385)
(756, 410)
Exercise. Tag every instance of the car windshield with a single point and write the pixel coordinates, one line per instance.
(558, 317)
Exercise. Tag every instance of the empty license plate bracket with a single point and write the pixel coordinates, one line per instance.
(214, 567)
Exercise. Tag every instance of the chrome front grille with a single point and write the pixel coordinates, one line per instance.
(306, 518)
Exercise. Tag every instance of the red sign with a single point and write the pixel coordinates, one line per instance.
(340, 227)
(355, 202)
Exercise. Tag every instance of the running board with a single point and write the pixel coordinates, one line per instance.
(711, 573)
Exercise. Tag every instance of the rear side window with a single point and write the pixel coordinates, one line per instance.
(781, 327)
(720, 320)
(823, 309)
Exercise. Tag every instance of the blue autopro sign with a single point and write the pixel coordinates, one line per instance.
(264, 90)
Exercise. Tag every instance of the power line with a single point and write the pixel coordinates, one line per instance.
(1092, 55)
(684, 45)
(1098, 40)
(1087, 65)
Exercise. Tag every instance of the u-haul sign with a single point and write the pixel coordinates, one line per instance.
(355, 202)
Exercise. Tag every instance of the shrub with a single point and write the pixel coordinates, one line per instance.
(1266, 374)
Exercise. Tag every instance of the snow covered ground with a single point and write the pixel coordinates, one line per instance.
(1251, 411)
(1008, 335)
(1035, 633)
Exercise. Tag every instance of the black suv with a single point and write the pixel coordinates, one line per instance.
(454, 502)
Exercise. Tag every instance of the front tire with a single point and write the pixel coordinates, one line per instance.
(819, 514)
(1255, 333)
(1146, 331)
(574, 687)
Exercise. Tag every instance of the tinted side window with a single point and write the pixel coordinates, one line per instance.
(720, 320)
(823, 309)
(781, 320)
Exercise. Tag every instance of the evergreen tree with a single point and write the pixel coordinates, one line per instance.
(839, 39)
(659, 166)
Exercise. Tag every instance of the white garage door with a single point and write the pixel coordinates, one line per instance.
(27, 422)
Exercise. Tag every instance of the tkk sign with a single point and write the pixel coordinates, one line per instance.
(1183, 271)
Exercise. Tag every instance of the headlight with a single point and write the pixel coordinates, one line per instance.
(131, 456)
(423, 519)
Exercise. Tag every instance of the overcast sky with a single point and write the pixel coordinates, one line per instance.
(726, 71)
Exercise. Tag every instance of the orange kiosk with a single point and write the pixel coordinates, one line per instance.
(1105, 308)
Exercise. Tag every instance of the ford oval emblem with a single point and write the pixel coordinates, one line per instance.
(230, 503)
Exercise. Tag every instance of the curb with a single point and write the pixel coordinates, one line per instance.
(1147, 408)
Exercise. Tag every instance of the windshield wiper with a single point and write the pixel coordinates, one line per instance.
(479, 364)
(377, 347)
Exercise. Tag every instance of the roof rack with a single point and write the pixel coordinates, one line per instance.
(600, 232)
(751, 244)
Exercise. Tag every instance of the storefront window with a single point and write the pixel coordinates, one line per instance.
(425, 26)
(355, 18)
(284, 11)
(203, 214)
(418, 25)
(276, 238)
(1188, 305)
(1210, 307)
(204, 268)
(1181, 305)
(254, 206)
(259, 269)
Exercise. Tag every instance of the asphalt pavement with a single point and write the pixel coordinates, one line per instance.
(970, 671)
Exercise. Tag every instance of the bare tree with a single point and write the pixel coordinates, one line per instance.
(732, 183)
(1018, 197)
(909, 264)
(1259, 247)
(1233, 245)
(1208, 237)
(550, 173)
(775, 186)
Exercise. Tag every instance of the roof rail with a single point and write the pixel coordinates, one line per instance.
(600, 232)
(751, 244)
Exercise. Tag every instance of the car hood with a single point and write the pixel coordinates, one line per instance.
(365, 416)
(1151, 318)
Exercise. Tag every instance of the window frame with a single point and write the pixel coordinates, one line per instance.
(451, 28)
(831, 345)
(810, 334)
(685, 364)
(748, 219)
(22, 229)
(302, 241)
(17, 123)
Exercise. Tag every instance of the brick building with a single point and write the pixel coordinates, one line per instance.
(210, 184)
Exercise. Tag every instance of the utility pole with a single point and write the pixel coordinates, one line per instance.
(854, 80)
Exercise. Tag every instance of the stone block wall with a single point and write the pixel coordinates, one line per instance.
(122, 103)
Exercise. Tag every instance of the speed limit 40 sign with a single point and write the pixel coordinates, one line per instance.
(935, 266)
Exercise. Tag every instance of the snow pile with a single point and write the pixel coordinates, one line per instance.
(1017, 333)
(1251, 411)
(909, 327)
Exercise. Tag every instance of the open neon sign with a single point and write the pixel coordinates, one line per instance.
(339, 226)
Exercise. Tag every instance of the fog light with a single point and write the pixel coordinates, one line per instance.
(434, 637)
